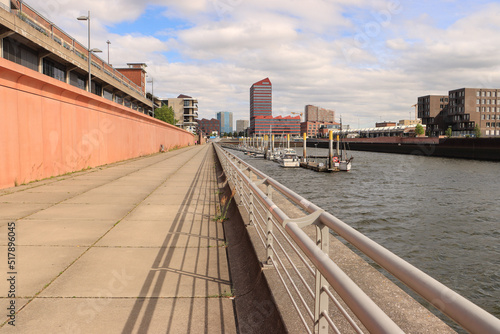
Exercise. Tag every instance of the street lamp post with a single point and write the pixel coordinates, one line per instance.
(152, 96)
(87, 18)
(108, 49)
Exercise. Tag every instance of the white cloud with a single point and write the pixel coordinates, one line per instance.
(365, 59)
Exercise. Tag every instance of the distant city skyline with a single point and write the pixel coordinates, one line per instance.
(367, 60)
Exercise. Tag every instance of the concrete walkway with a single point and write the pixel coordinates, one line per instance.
(127, 248)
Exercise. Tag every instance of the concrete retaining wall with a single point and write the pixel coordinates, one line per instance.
(49, 128)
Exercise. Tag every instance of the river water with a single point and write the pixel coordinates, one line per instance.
(441, 215)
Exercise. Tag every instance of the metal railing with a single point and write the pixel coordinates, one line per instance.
(290, 250)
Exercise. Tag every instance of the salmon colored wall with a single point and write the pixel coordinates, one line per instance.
(49, 128)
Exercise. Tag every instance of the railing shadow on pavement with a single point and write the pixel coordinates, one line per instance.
(201, 271)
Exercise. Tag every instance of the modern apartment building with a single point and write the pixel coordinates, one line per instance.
(467, 109)
(226, 121)
(185, 111)
(318, 114)
(207, 127)
(261, 97)
(29, 39)
(242, 125)
(431, 109)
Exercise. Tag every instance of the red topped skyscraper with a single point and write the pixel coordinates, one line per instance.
(261, 97)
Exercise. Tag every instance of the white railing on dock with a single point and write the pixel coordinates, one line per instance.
(290, 251)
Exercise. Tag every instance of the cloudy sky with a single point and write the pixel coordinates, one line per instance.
(367, 60)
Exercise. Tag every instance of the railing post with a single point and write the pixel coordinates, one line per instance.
(250, 195)
(321, 298)
(269, 229)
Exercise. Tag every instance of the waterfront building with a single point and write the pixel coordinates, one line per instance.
(410, 121)
(185, 111)
(260, 101)
(207, 127)
(466, 110)
(318, 114)
(242, 125)
(29, 39)
(317, 129)
(431, 109)
(384, 124)
(225, 122)
(278, 125)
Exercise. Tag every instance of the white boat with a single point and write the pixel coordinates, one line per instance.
(289, 158)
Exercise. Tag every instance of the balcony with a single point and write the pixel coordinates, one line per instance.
(190, 113)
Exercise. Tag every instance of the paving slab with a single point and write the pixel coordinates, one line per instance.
(10, 211)
(99, 211)
(91, 315)
(57, 232)
(36, 266)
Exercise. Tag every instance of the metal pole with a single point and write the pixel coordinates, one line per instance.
(304, 148)
(108, 49)
(90, 54)
(330, 149)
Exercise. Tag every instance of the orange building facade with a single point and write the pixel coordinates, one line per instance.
(50, 128)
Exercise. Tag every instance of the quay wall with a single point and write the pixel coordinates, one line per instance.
(50, 128)
(462, 148)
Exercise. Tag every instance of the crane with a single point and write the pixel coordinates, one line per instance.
(416, 112)
(297, 113)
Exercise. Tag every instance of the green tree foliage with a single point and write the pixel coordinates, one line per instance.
(477, 131)
(419, 130)
(448, 132)
(166, 114)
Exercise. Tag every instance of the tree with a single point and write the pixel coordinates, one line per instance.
(448, 132)
(419, 130)
(477, 131)
(166, 114)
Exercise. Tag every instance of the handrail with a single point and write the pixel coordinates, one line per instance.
(465, 313)
(369, 313)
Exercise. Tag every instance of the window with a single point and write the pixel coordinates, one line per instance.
(20, 54)
(482, 117)
(118, 99)
(478, 101)
(487, 116)
(487, 132)
(478, 93)
(478, 109)
(488, 94)
(107, 95)
(487, 124)
(54, 70)
(483, 93)
(483, 101)
(487, 109)
(96, 88)
(76, 80)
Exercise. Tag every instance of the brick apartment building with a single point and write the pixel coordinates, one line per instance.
(462, 110)
(208, 126)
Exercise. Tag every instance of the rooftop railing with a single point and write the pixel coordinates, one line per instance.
(313, 280)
